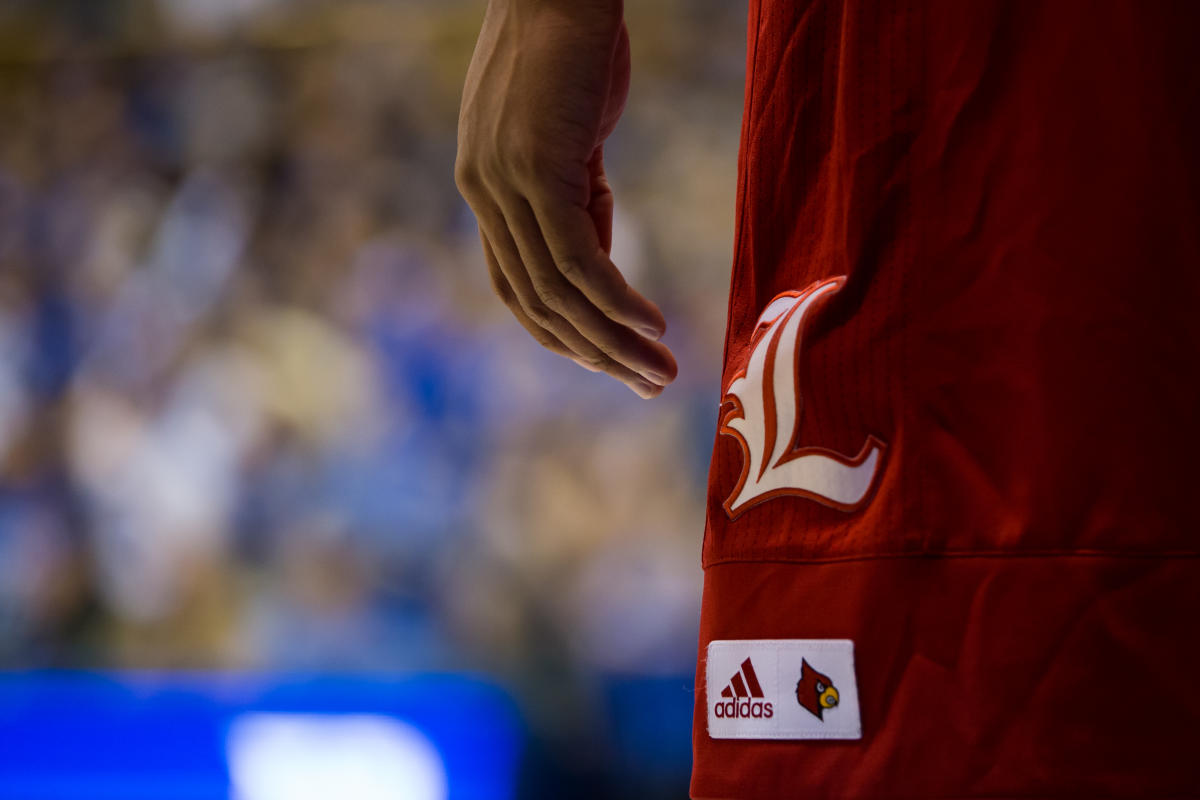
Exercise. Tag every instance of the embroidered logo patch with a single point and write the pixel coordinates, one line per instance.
(743, 696)
(773, 689)
(764, 416)
(815, 691)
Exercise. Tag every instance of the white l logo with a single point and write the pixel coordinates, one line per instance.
(765, 418)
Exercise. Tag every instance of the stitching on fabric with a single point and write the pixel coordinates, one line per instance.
(955, 554)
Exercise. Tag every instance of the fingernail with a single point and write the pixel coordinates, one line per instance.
(650, 332)
(655, 377)
(642, 389)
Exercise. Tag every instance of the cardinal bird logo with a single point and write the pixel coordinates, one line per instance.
(815, 691)
(764, 416)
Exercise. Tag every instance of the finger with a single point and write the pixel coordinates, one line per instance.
(528, 305)
(500, 285)
(570, 234)
(639, 385)
(549, 329)
(648, 358)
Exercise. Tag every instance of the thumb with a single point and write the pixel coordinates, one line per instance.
(600, 200)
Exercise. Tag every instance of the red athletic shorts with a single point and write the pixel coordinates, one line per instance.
(953, 543)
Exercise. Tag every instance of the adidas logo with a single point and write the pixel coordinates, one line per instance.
(744, 696)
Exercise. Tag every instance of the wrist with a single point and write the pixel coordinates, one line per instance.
(611, 8)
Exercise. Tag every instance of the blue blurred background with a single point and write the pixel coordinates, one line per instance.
(281, 483)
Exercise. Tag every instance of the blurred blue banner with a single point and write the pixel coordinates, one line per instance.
(255, 737)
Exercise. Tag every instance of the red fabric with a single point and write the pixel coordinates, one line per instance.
(977, 677)
(1012, 191)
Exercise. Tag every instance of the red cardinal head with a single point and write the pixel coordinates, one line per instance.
(815, 691)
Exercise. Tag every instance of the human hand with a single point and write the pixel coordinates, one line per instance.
(545, 88)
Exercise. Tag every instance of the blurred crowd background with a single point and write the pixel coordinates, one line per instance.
(258, 406)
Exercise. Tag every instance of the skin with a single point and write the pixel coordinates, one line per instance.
(546, 86)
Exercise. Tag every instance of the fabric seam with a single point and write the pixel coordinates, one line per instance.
(964, 554)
